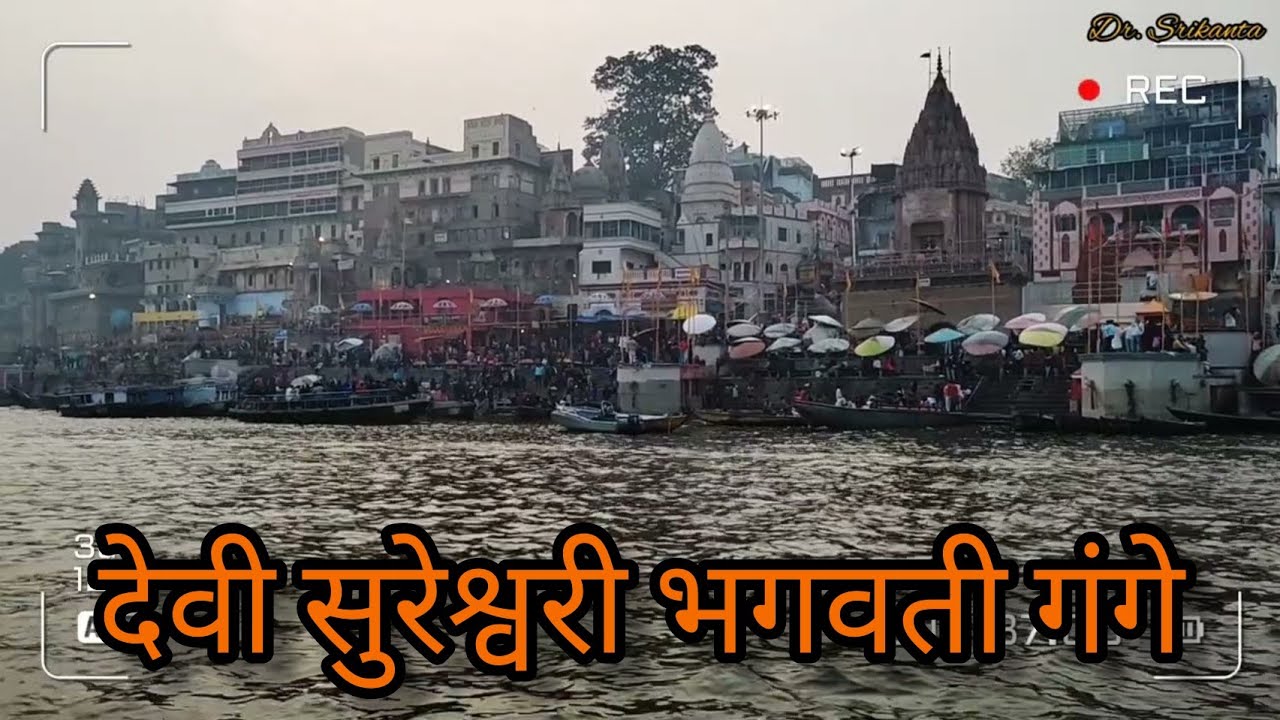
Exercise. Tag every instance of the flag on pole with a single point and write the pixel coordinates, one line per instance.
(848, 281)
(926, 55)
(995, 273)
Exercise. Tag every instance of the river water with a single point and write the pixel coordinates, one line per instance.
(504, 491)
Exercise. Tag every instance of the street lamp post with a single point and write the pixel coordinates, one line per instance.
(761, 113)
(851, 153)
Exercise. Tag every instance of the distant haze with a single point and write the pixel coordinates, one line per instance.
(203, 75)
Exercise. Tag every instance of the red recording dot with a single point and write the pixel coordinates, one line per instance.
(1089, 89)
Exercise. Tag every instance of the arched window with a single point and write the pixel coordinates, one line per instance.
(768, 268)
(1185, 217)
(570, 266)
(782, 268)
(408, 277)
(571, 225)
(1222, 241)
(395, 276)
(1065, 250)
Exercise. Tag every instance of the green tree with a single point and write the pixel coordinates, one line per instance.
(656, 101)
(1024, 161)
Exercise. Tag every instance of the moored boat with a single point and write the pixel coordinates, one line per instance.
(1225, 423)
(750, 418)
(855, 418)
(598, 420)
(1078, 424)
(340, 408)
(194, 398)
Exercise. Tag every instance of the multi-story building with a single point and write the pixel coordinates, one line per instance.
(1008, 214)
(1144, 199)
(841, 190)
(791, 178)
(449, 215)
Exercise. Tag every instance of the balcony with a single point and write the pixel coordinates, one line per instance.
(672, 276)
(904, 267)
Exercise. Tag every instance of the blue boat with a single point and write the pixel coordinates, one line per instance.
(194, 398)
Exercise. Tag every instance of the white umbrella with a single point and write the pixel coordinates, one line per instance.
(388, 350)
(784, 343)
(306, 380)
(820, 332)
(829, 345)
(987, 342)
(699, 324)
(978, 323)
(349, 344)
(445, 304)
(901, 324)
(402, 306)
(743, 330)
(494, 303)
(320, 310)
(740, 340)
(826, 320)
(779, 330)
(1025, 321)
(1266, 367)
(869, 323)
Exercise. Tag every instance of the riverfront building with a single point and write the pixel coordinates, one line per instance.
(1145, 199)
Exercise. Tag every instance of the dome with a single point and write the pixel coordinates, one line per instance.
(590, 184)
(708, 177)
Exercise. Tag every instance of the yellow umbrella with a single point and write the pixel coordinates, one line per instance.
(1043, 335)
(873, 346)
(684, 311)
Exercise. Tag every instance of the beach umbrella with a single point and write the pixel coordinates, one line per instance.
(944, 335)
(1266, 367)
(634, 311)
(978, 323)
(305, 380)
(445, 304)
(1044, 335)
(740, 340)
(698, 324)
(820, 332)
(928, 306)
(868, 326)
(779, 330)
(749, 348)
(319, 310)
(784, 343)
(1193, 296)
(348, 344)
(830, 346)
(1086, 322)
(402, 306)
(387, 351)
(987, 342)
(742, 330)
(1025, 320)
(901, 324)
(873, 346)
(362, 307)
(826, 320)
(493, 303)
(1071, 315)
(545, 300)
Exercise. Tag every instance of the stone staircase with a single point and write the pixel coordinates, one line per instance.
(1042, 396)
(992, 396)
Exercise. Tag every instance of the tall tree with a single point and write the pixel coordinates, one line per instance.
(1024, 161)
(656, 101)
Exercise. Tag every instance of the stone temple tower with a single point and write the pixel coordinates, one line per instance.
(941, 190)
(614, 167)
(86, 218)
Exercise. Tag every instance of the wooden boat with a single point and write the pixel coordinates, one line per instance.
(190, 399)
(357, 408)
(1225, 423)
(587, 419)
(457, 409)
(749, 418)
(1078, 424)
(22, 399)
(854, 418)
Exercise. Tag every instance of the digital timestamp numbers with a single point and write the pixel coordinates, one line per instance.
(86, 551)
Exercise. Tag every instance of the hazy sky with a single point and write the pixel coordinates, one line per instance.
(203, 75)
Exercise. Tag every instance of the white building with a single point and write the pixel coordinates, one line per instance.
(756, 254)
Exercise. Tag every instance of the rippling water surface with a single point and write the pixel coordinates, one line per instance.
(504, 491)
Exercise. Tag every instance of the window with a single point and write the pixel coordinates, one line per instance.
(262, 237)
(782, 268)
(737, 271)
(355, 203)
(1065, 250)
(495, 209)
(271, 279)
(746, 271)
(601, 267)
(377, 163)
(233, 239)
(496, 147)
(768, 269)
(475, 211)
(250, 279)
(422, 187)
(280, 236)
(1222, 241)
(422, 239)
(475, 152)
(517, 152)
(195, 263)
(782, 234)
(333, 232)
(435, 186)
(395, 160)
(447, 183)
(710, 239)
